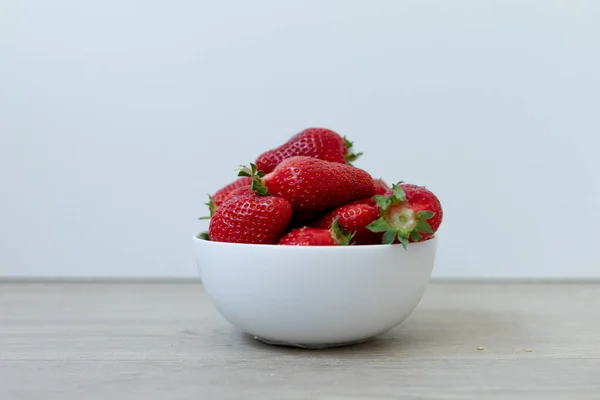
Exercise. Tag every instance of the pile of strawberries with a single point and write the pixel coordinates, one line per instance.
(307, 193)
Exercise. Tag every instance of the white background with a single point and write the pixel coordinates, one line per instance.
(117, 117)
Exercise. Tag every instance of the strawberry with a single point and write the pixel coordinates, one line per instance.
(312, 185)
(380, 186)
(352, 217)
(408, 213)
(320, 143)
(380, 189)
(251, 219)
(224, 194)
(334, 235)
(241, 191)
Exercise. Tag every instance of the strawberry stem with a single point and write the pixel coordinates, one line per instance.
(257, 183)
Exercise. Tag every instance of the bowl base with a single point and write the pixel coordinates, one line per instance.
(309, 346)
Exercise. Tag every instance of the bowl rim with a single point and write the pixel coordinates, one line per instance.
(197, 238)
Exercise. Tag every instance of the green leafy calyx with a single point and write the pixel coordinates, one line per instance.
(350, 155)
(341, 236)
(212, 208)
(398, 220)
(204, 236)
(257, 183)
(349, 143)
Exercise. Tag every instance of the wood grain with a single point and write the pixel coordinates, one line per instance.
(165, 341)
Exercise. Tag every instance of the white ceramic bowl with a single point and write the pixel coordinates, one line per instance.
(314, 297)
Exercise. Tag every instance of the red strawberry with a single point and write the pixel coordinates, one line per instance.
(320, 143)
(380, 189)
(241, 191)
(224, 194)
(380, 186)
(312, 185)
(307, 236)
(408, 213)
(251, 219)
(354, 218)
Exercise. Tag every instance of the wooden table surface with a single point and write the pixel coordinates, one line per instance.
(165, 341)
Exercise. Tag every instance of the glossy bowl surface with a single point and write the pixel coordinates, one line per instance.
(314, 297)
